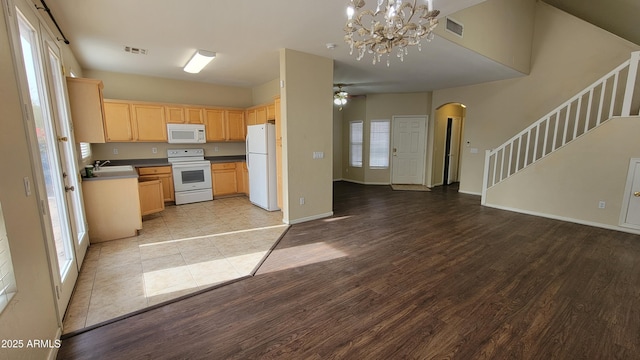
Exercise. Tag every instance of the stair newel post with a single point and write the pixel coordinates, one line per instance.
(485, 177)
(631, 81)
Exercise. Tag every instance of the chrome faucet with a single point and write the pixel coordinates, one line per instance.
(101, 164)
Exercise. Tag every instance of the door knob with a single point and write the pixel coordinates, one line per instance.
(636, 194)
(69, 188)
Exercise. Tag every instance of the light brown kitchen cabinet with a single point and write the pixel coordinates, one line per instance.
(271, 111)
(87, 110)
(112, 208)
(149, 122)
(261, 115)
(225, 125)
(236, 128)
(224, 179)
(242, 177)
(174, 114)
(151, 196)
(194, 115)
(162, 173)
(214, 125)
(251, 117)
(117, 121)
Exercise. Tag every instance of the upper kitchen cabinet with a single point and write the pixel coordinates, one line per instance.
(236, 128)
(271, 111)
(214, 125)
(117, 121)
(149, 122)
(194, 115)
(251, 117)
(180, 114)
(174, 114)
(87, 109)
(261, 115)
(225, 125)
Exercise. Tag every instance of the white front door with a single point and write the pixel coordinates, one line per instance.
(408, 150)
(631, 207)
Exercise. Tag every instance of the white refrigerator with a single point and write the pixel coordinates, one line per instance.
(261, 162)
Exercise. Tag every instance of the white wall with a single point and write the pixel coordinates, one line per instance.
(568, 55)
(377, 107)
(307, 127)
(570, 183)
(501, 30)
(155, 89)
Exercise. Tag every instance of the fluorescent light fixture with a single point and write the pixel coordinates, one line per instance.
(198, 61)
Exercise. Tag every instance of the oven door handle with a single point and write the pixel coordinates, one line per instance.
(184, 166)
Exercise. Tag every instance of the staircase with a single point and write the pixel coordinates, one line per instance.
(613, 95)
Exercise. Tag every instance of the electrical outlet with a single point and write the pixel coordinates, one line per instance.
(115, 151)
(154, 150)
(302, 201)
(602, 204)
(215, 148)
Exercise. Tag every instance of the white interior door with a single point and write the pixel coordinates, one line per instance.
(631, 208)
(51, 146)
(408, 150)
(454, 150)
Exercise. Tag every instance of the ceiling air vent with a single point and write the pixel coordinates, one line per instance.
(454, 27)
(135, 50)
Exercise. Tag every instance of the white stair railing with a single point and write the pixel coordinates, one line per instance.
(612, 95)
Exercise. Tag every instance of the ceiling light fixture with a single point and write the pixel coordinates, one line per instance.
(394, 23)
(198, 61)
(340, 97)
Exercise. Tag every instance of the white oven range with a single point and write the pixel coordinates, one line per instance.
(191, 175)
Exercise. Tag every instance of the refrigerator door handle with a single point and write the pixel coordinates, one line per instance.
(246, 147)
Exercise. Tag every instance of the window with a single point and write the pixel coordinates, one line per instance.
(85, 150)
(355, 143)
(7, 279)
(379, 144)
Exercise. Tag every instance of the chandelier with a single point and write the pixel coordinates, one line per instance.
(394, 23)
(340, 97)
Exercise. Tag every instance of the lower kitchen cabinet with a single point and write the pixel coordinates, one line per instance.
(151, 197)
(112, 209)
(162, 173)
(242, 177)
(224, 179)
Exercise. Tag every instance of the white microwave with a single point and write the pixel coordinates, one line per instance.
(186, 134)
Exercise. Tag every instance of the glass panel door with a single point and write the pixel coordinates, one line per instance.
(44, 136)
(66, 148)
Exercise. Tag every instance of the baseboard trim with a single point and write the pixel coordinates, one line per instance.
(310, 218)
(365, 183)
(53, 352)
(469, 192)
(567, 219)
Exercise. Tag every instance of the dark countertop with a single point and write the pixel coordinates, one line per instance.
(164, 162)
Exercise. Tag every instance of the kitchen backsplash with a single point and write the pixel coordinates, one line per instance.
(119, 151)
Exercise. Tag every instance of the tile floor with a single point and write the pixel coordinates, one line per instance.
(180, 250)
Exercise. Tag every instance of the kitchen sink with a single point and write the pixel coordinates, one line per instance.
(118, 168)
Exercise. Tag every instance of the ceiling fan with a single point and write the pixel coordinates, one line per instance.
(340, 96)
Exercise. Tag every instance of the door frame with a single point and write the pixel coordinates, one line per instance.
(633, 162)
(424, 136)
(62, 287)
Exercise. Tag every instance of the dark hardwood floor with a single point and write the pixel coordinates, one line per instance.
(401, 274)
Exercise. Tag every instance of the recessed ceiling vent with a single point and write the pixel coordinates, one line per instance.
(135, 50)
(455, 27)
